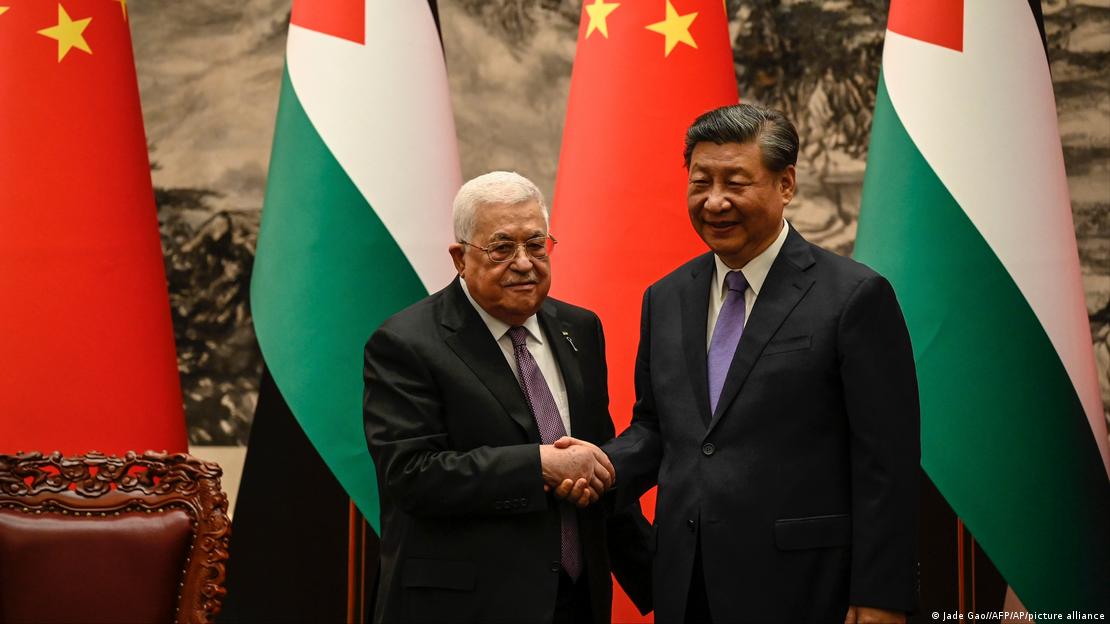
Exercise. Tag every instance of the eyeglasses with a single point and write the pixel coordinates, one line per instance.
(538, 248)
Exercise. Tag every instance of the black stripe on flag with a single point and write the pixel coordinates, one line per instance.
(288, 551)
(939, 573)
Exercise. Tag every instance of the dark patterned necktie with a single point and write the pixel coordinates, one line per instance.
(726, 335)
(544, 410)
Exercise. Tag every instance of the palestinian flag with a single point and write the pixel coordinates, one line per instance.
(643, 71)
(966, 211)
(87, 356)
(356, 224)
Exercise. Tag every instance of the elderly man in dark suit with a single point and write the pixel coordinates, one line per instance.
(776, 407)
(465, 393)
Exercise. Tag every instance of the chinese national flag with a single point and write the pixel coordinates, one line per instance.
(87, 356)
(643, 70)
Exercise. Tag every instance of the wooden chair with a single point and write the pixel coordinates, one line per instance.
(96, 538)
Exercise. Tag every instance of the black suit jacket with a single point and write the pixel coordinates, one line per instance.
(802, 486)
(468, 534)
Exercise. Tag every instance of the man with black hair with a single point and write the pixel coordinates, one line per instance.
(776, 407)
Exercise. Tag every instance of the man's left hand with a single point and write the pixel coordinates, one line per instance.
(575, 492)
(867, 615)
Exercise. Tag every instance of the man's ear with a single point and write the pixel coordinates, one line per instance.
(458, 256)
(787, 184)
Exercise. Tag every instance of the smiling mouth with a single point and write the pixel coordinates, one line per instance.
(723, 225)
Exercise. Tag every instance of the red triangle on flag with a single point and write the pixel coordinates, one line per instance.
(345, 19)
(939, 22)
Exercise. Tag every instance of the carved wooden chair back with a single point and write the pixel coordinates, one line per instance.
(95, 538)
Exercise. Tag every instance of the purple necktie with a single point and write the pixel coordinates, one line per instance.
(546, 413)
(726, 335)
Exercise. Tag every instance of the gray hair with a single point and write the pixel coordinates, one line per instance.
(495, 187)
(743, 123)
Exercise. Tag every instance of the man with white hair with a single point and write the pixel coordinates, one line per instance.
(465, 393)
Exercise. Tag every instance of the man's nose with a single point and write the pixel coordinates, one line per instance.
(521, 261)
(717, 201)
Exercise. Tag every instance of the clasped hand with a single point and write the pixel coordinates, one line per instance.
(577, 471)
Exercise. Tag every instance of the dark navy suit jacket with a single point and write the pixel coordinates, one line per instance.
(802, 487)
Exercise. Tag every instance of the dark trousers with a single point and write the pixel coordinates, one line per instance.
(572, 603)
(697, 601)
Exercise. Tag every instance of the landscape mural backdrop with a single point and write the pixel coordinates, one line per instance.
(209, 73)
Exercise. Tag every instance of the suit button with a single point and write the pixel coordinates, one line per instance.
(690, 525)
(555, 567)
(708, 449)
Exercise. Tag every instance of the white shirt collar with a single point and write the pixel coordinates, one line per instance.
(755, 271)
(497, 327)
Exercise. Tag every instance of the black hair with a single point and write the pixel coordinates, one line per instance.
(743, 123)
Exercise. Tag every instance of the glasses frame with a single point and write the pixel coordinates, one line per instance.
(516, 251)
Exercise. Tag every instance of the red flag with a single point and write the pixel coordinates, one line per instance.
(643, 70)
(87, 356)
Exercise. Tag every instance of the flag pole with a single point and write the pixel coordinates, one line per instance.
(353, 568)
(971, 545)
(960, 566)
(363, 527)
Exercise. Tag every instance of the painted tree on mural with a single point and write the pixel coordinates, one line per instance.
(208, 256)
(816, 61)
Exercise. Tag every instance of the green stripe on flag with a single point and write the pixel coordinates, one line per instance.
(327, 273)
(1004, 435)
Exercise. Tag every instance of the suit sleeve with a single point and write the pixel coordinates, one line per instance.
(636, 454)
(628, 531)
(406, 435)
(880, 393)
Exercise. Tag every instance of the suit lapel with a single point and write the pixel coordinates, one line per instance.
(695, 315)
(557, 334)
(786, 284)
(472, 342)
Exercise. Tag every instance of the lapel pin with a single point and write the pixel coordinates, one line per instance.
(567, 336)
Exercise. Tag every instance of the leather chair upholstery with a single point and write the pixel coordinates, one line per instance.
(98, 538)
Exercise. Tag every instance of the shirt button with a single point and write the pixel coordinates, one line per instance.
(555, 567)
(708, 449)
(690, 524)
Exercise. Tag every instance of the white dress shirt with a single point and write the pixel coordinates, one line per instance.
(755, 272)
(537, 345)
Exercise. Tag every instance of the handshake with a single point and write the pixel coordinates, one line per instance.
(577, 471)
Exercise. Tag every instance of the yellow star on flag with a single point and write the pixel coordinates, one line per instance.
(3, 10)
(68, 33)
(676, 28)
(598, 12)
(123, 7)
